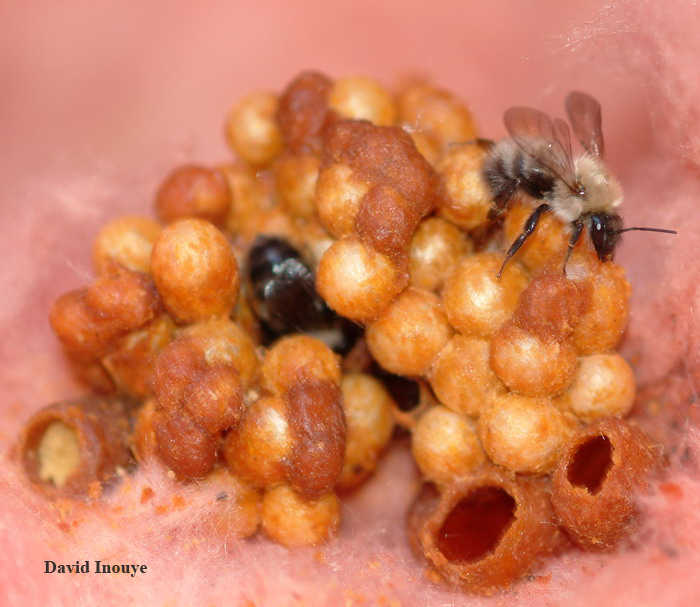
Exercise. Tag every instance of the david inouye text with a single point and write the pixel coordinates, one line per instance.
(99, 567)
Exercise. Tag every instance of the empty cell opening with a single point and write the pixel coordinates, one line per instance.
(58, 453)
(476, 524)
(590, 464)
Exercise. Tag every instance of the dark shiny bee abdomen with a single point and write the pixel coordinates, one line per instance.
(282, 293)
(282, 287)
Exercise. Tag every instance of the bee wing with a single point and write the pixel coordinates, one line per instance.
(584, 114)
(547, 141)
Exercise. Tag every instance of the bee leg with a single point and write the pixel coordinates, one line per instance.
(500, 202)
(494, 220)
(575, 235)
(528, 229)
(485, 144)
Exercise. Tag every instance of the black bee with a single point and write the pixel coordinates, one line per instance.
(282, 293)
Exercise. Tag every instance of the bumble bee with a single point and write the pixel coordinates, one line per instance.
(537, 161)
(282, 291)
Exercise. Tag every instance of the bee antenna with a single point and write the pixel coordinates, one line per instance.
(646, 230)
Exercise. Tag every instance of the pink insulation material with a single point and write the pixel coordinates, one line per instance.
(99, 100)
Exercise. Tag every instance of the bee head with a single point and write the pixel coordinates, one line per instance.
(605, 234)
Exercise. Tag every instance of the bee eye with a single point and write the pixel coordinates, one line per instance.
(604, 235)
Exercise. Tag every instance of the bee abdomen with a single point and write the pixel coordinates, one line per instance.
(282, 292)
(507, 169)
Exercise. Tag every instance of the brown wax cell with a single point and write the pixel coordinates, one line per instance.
(357, 281)
(486, 531)
(255, 449)
(410, 334)
(249, 197)
(604, 387)
(475, 300)
(468, 200)
(419, 512)
(339, 192)
(525, 434)
(177, 367)
(551, 306)
(599, 478)
(429, 109)
(292, 356)
(89, 321)
(194, 191)
(304, 112)
(295, 180)
(293, 520)
(437, 246)
(195, 271)
(318, 429)
(600, 328)
(445, 445)
(529, 365)
(211, 392)
(386, 221)
(131, 363)
(428, 145)
(125, 241)
(252, 128)
(183, 445)
(368, 410)
(362, 98)
(68, 446)
(234, 511)
(224, 342)
(143, 440)
(215, 400)
(384, 156)
(462, 377)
